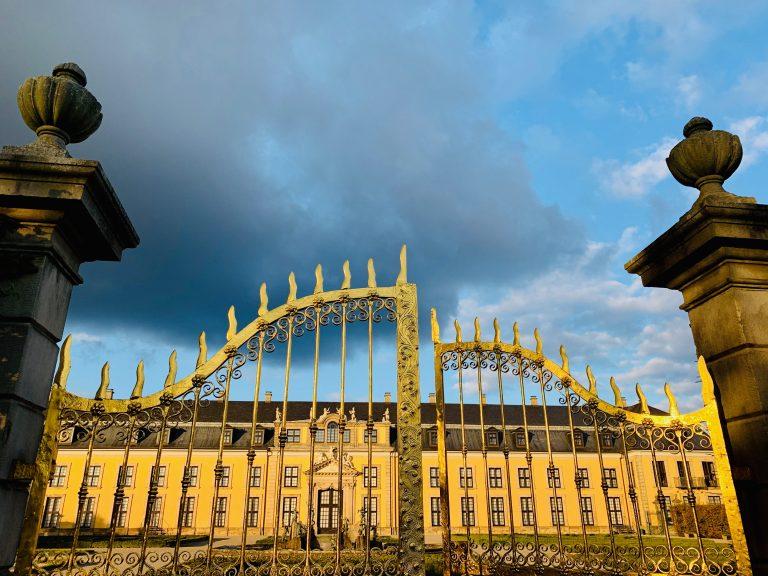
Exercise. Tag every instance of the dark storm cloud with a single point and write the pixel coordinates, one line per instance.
(248, 140)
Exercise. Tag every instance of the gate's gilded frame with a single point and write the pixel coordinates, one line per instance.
(398, 302)
(492, 352)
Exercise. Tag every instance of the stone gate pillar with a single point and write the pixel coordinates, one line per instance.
(55, 213)
(717, 256)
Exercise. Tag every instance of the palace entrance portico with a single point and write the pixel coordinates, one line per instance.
(327, 497)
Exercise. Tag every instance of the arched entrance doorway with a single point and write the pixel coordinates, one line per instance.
(327, 511)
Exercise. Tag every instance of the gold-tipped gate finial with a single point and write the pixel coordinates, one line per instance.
(65, 363)
(435, 326)
(457, 327)
(592, 380)
(318, 279)
(232, 323)
(643, 400)
(101, 393)
(537, 337)
(707, 384)
(170, 379)
(478, 336)
(138, 388)
(346, 283)
(263, 299)
(371, 274)
(202, 354)
(674, 411)
(515, 334)
(402, 277)
(616, 393)
(496, 331)
(292, 289)
(564, 357)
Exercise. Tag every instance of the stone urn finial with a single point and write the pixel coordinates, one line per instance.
(59, 109)
(706, 159)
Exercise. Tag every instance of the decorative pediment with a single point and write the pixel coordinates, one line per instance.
(328, 464)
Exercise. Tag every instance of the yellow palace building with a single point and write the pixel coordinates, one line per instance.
(488, 486)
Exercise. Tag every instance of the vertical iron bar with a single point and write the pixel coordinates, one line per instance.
(282, 440)
(312, 440)
(484, 452)
(660, 498)
(369, 429)
(251, 455)
(342, 428)
(500, 361)
(219, 469)
(691, 496)
(577, 478)
(464, 513)
(197, 383)
(529, 457)
(633, 498)
(603, 481)
(442, 462)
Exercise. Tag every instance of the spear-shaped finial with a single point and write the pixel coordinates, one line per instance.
(674, 411)
(65, 363)
(496, 331)
(537, 337)
(402, 277)
(457, 327)
(478, 337)
(291, 287)
(170, 379)
(515, 334)
(435, 326)
(263, 299)
(707, 384)
(592, 381)
(232, 321)
(101, 393)
(616, 393)
(138, 388)
(371, 274)
(318, 279)
(202, 354)
(643, 401)
(347, 282)
(564, 358)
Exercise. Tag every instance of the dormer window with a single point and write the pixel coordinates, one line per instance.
(228, 436)
(167, 436)
(258, 436)
(520, 439)
(433, 437)
(606, 439)
(492, 438)
(578, 438)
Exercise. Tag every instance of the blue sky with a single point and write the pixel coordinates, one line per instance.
(517, 148)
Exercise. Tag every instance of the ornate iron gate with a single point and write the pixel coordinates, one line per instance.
(567, 426)
(157, 418)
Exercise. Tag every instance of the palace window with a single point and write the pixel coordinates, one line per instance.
(614, 509)
(710, 477)
(492, 438)
(155, 514)
(433, 438)
(253, 511)
(93, 477)
(193, 474)
(291, 477)
(434, 509)
(293, 435)
(125, 476)
(228, 436)
(52, 512)
(668, 509)
(467, 511)
(434, 478)
(258, 436)
(526, 509)
(333, 432)
(289, 508)
(465, 476)
(661, 474)
(494, 478)
(556, 508)
(520, 439)
(374, 436)
(371, 475)
(225, 477)
(254, 480)
(122, 513)
(553, 476)
(524, 477)
(89, 512)
(374, 509)
(587, 515)
(188, 514)
(578, 439)
(220, 514)
(609, 475)
(320, 435)
(160, 475)
(59, 476)
(714, 499)
(582, 476)
(497, 511)
(606, 439)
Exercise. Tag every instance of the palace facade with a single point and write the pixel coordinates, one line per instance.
(487, 487)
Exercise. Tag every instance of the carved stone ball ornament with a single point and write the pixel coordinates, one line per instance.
(706, 159)
(59, 109)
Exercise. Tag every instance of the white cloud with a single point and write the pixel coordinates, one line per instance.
(635, 179)
(689, 91)
(753, 132)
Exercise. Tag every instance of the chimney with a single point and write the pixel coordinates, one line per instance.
(534, 400)
(431, 397)
(623, 401)
(267, 397)
(387, 397)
